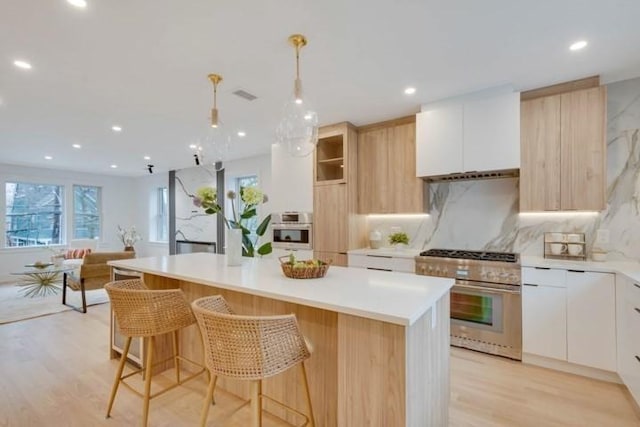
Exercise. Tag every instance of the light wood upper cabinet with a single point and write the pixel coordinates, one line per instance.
(583, 142)
(387, 180)
(563, 152)
(540, 151)
(374, 165)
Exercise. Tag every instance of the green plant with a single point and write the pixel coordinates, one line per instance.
(400, 237)
(206, 197)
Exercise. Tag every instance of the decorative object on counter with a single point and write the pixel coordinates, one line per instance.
(375, 239)
(128, 237)
(398, 239)
(298, 129)
(251, 197)
(303, 269)
(560, 245)
(39, 264)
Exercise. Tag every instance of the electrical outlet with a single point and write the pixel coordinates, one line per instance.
(602, 237)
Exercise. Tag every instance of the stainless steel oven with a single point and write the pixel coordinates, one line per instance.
(292, 230)
(486, 300)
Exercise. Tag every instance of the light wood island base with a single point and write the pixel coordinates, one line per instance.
(362, 372)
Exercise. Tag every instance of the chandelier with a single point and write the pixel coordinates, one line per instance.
(298, 129)
(216, 143)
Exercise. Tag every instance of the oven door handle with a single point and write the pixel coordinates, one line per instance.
(487, 290)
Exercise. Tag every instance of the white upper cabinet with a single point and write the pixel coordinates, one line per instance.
(481, 133)
(439, 141)
(492, 133)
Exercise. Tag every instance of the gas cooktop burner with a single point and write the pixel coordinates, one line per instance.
(473, 255)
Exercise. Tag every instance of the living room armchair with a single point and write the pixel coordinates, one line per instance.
(94, 273)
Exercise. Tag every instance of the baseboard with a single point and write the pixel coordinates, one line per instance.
(572, 368)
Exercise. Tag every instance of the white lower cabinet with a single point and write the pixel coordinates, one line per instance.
(570, 315)
(591, 319)
(382, 262)
(544, 321)
(628, 337)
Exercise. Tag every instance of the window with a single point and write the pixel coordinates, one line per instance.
(34, 214)
(246, 181)
(162, 214)
(86, 212)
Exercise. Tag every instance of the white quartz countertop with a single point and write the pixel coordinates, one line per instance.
(629, 269)
(387, 296)
(387, 252)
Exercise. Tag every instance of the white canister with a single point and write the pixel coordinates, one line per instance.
(375, 239)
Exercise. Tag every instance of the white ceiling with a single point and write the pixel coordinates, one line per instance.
(143, 65)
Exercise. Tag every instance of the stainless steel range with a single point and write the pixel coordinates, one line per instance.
(486, 304)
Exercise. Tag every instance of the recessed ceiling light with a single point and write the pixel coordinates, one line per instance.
(77, 146)
(147, 157)
(78, 3)
(48, 158)
(116, 128)
(242, 133)
(410, 91)
(578, 45)
(114, 166)
(22, 64)
(193, 146)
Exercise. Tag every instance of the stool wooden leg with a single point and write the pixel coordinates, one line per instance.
(176, 352)
(116, 381)
(208, 400)
(147, 381)
(256, 403)
(303, 371)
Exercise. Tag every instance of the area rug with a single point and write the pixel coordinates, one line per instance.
(14, 306)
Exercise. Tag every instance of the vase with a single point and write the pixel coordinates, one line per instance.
(234, 246)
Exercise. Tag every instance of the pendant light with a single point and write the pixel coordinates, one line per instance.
(298, 129)
(214, 146)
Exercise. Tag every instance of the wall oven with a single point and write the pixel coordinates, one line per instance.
(292, 230)
(486, 301)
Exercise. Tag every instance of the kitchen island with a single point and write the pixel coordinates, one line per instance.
(380, 339)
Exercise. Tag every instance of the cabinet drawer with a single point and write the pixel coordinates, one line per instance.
(544, 276)
(359, 261)
(405, 265)
(633, 292)
(378, 262)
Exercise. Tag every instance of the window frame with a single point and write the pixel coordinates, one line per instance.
(62, 219)
(161, 215)
(99, 209)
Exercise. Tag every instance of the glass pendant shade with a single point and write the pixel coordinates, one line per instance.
(214, 146)
(298, 129)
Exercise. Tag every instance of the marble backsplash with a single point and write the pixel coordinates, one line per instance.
(485, 214)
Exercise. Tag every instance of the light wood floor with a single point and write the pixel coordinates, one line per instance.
(54, 371)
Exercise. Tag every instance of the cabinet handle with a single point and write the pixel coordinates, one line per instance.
(379, 256)
(342, 253)
(636, 285)
(378, 269)
(576, 271)
(542, 268)
(529, 284)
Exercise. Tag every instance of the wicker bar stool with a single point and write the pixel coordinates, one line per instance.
(250, 348)
(141, 312)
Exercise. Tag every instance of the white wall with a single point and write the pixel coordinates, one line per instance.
(292, 179)
(118, 197)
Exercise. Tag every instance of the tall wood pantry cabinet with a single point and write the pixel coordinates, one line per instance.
(563, 149)
(337, 225)
(387, 180)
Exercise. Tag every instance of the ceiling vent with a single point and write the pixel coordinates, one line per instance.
(244, 94)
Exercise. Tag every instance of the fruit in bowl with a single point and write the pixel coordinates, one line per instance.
(303, 269)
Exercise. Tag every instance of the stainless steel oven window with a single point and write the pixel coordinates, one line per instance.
(477, 309)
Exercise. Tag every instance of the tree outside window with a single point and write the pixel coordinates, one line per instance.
(34, 214)
(87, 208)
